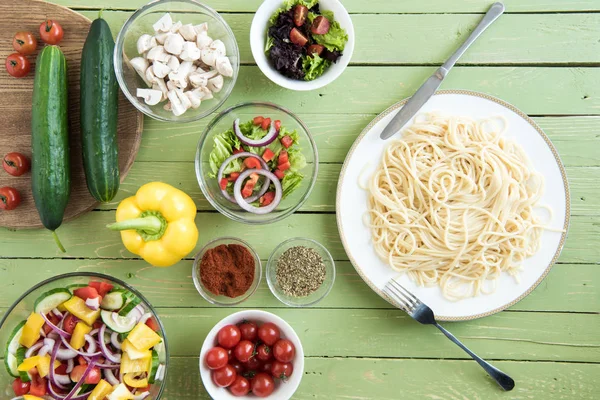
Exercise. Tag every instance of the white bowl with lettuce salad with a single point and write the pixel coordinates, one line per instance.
(256, 163)
(294, 50)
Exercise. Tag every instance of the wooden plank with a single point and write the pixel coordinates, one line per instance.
(381, 39)
(376, 6)
(85, 237)
(568, 287)
(351, 378)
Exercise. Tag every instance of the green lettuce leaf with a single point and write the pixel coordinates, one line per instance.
(336, 38)
(223, 145)
(297, 159)
(291, 181)
(314, 66)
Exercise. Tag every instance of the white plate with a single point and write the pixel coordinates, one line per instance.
(365, 155)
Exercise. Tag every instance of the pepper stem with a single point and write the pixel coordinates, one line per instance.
(149, 224)
(58, 243)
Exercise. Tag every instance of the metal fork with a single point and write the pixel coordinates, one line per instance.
(420, 312)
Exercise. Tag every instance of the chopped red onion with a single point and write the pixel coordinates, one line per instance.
(110, 377)
(70, 365)
(33, 349)
(116, 358)
(93, 332)
(93, 303)
(109, 366)
(51, 374)
(237, 191)
(44, 350)
(114, 339)
(56, 329)
(57, 313)
(265, 141)
(89, 368)
(145, 317)
(81, 353)
(160, 372)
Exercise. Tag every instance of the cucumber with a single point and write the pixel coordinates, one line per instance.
(99, 107)
(51, 299)
(114, 300)
(24, 375)
(74, 286)
(50, 178)
(116, 322)
(10, 359)
(131, 303)
(153, 367)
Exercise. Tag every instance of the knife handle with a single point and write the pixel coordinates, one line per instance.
(490, 16)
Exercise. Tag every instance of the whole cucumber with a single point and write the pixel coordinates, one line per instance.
(50, 173)
(99, 108)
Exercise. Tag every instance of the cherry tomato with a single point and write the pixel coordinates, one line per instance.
(262, 385)
(284, 350)
(101, 287)
(153, 324)
(17, 65)
(16, 164)
(269, 333)
(266, 367)
(216, 358)
(253, 364)
(91, 379)
(225, 376)
(61, 369)
(229, 336)
(20, 388)
(240, 387)
(265, 124)
(86, 292)
(263, 352)
(249, 330)
(51, 32)
(244, 351)
(24, 42)
(277, 125)
(54, 319)
(258, 120)
(9, 198)
(38, 385)
(281, 370)
(69, 323)
(238, 366)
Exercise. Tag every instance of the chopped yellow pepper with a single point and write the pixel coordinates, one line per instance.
(101, 390)
(143, 337)
(132, 351)
(29, 363)
(136, 366)
(61, 307)
(77, 307)
(31, 330)
(43, 365)
(31, 397)
(132, 380)
(120, 392)
(158, 224)
(78, 337)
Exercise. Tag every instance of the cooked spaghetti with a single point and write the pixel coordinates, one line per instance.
(452, 204)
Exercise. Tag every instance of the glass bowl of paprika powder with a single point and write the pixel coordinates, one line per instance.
(226, 271)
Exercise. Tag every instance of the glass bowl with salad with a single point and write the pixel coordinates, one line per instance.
(302, 44)
(83, 336)
(256, 163)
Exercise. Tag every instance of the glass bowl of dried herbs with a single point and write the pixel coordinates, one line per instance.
(300, 272)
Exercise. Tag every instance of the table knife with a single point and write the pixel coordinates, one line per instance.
(424, 93)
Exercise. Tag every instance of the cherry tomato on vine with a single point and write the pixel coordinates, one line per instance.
(51, 32)
(238, 366)
(216, 358)
(17, 65)
(24, 42)
(263, 352)
(20, 388)
(16, 164)
(244, 351)
(229, 336)
(269, 333)
(281, 370)
(9, 198)
(249, 330)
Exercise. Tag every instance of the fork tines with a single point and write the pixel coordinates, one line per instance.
(397, 292)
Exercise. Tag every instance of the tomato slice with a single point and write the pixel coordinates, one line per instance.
(153, 324)
(85, 293)
(238, 150)
(266, 123)
(285, 166)
(267, 198)
(20, 388)
(252, 163)
(249, 186)
(69, 323)
(101, 287)
(223, 183)
(233, 176)
(277, 125)
(38, 386)
(287, 141)
(283, 157)
(268, 155)
(54, 319)
(258, 121)
(279, 174)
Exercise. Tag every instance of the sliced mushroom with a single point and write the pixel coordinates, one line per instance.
(140, 65)
(160, 70)
(194, 98)
(145, 43)
(171, 86)
(219, 47)
(185, 101)
(200, 65)
(203, 93)
(223, 65)
(150, 77)
(174, 43)
(176, 104)
(167, 107)
(160, 37)
(151, 97)
(190, 52)
(215, 84)
(164, 24)
(203, 40)
(208, 57)
(157, 53)
(173, 63)
(180, 78)
(176, 26)
(198, 79)
(202, 28)
(188, 32)
(162, 86)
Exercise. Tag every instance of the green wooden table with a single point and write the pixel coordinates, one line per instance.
(542, 56)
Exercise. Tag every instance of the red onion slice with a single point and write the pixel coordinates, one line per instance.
(145, 317)
(55, 328)
(34, 348)
(89, 368)
(237, 191)
(116, 358)
(51, 374)
(265, 141)
(57, 313)
(70, 365)
(110, 377)
(81, 353)
(114, 340)
(262, 190)
(93, 303)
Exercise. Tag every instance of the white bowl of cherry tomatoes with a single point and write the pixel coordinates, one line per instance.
(251, 354)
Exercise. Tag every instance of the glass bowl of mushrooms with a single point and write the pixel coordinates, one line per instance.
(176, 60)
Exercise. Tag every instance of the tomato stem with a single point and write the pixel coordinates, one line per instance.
(58, 243)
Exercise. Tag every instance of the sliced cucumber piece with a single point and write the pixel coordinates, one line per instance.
(116, 322)
(154, 367)
(71, 288)
(10, 361)
(160, 349)
(51, 299)
(132, 302)
(114, 300)
(24, 375)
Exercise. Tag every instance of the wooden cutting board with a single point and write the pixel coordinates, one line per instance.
(15, 108)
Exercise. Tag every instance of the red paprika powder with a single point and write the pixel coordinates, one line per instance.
(227, 270)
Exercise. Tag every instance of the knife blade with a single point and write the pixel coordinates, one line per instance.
(424, 93)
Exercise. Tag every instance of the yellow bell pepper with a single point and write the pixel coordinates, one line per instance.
(78, 337)
(31, 330)
(120, 392)
(136, 366)
(132, 380)
(31, 397)
(158, 224)
(28, 363)
(143, 337)
(132, 351)
(77, 307)
(101, 390)
(43, 365)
